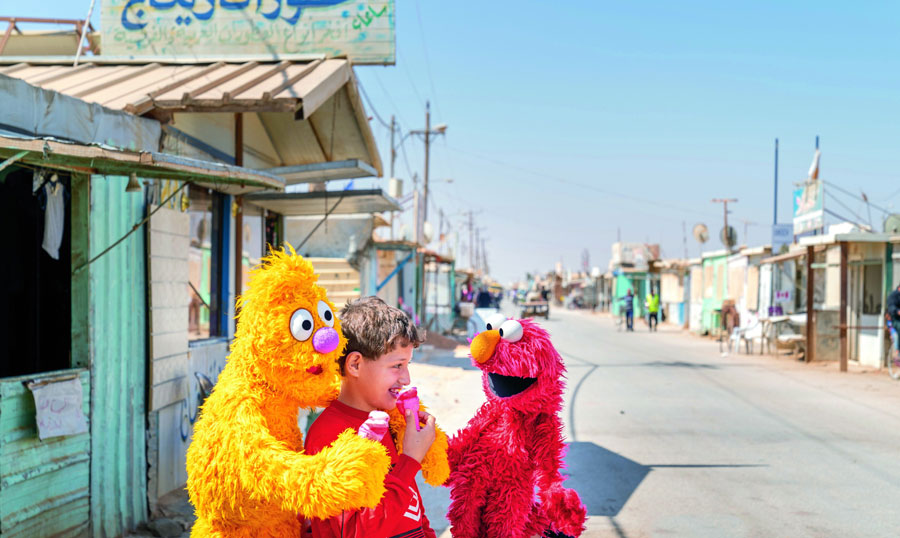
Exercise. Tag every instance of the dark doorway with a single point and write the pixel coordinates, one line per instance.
(35, 288)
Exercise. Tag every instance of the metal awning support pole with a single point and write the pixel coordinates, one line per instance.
(810, 304)
(843, 308)
(239, 208)
(12, 160)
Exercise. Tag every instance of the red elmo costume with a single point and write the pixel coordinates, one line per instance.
(505, 479)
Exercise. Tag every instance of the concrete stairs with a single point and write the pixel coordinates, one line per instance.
(340, 280)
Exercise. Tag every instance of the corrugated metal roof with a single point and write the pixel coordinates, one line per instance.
(287, 86)
(295, 112)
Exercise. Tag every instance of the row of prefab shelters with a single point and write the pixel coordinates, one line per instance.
(136, 197)
(822, 297)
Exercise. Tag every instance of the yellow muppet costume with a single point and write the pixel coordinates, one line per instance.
(247, 473)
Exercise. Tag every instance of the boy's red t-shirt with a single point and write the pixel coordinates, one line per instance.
(400, 512)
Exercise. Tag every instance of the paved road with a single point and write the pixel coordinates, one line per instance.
(668, 438)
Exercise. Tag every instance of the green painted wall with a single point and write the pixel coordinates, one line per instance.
(43, 484)
(711, 320)
(118, 360)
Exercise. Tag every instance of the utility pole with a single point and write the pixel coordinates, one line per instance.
(724, 202)
(393, 159)
(427, 133)
(775, 213)
(477, 253)
(393, 150)
(427, 152)
(471, 242)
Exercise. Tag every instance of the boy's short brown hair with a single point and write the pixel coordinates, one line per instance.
(373, 328)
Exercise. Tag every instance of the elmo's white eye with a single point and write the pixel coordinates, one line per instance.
(494, 321)
(511, 330)
(325, 314)
(302, 324)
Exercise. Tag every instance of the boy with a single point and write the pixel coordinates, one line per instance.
(374, 369)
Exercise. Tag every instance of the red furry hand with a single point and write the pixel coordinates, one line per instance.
(564, 509)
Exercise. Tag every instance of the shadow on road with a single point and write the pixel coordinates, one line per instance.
(606, 480)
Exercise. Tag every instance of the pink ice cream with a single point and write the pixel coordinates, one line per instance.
(409, 399)
(375, 426)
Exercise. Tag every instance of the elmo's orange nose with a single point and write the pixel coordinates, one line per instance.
(483, 345)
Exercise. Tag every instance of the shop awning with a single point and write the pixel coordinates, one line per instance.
(106, 160)
(295, 113)
(302, 204)
(321, 172)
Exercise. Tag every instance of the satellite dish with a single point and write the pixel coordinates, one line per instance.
(731, 239)
(701, 233)
(428, 232)
(892, 224)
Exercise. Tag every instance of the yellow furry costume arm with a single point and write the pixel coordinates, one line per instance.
(349, 474)
(435, 468)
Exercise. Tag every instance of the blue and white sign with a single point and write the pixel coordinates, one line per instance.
(782, 234)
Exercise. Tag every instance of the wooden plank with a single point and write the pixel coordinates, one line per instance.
(128, 73)
(166, 345)
(231, 72)
(143, 105)
(168, 369)
(168, 393)
(320, 85)
(229, 95)
(304, 70)
(20, 501)
(66, 520)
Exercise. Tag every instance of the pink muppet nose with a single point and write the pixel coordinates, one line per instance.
(326, 340)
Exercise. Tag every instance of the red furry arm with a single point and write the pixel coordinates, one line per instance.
(561, 505)
(548, 449)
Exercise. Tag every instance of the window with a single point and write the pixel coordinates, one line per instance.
(205, 262)
(35, 280)
(872, 289)
(253, 240)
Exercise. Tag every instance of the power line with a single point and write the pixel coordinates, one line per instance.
(427, 61)
(582, 185)
(372, 107)
(855, 197)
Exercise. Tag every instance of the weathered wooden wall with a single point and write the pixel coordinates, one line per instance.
(44, 485)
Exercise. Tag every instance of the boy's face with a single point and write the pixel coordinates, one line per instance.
(378, 383)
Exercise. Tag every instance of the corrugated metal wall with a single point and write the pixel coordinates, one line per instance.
(43, 484)
(118, 351)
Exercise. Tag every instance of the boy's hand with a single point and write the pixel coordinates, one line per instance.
(417, 442)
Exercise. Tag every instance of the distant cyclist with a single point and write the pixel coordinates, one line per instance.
(892, 314)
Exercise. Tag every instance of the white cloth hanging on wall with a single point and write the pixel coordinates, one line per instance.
(54, 218)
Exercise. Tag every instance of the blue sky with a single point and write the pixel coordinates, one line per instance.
(568, 123)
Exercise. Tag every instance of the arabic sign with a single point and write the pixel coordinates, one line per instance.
(809, 207)
(59, 408)
(160, 29)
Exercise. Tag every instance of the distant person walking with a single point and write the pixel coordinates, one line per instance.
(653, 310)
(628, 304)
